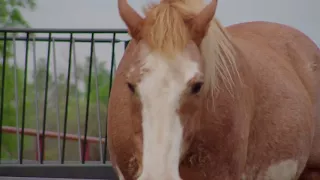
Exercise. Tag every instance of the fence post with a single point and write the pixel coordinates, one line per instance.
(86, 148)
(40, 147)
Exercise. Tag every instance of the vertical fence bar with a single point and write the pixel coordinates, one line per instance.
(67, 102)
(56, 90)
(4, 55)
(45, 100)
(24, 98)
(36, 99)
(98, 103)
(16, 87)
(77, 99)
(88, 99)
(110, 84)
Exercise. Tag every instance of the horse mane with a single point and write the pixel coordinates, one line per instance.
(165, 31)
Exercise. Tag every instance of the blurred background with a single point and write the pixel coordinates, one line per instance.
(93, 14)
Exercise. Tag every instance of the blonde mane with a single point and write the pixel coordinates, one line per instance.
(165, 31)
(164, 28)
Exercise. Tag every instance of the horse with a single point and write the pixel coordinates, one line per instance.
(192, 99)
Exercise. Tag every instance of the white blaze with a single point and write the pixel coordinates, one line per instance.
(160, 91)
(284, 170)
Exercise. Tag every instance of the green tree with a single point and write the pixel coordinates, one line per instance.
(10, 109)
(10, 16)
(102, 76)
(74, 114)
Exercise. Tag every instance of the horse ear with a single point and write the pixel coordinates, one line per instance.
(131, 18)
(199, 24)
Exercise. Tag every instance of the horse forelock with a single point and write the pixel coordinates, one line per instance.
(166, 32)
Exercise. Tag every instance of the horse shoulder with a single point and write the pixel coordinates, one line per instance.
(285, 66)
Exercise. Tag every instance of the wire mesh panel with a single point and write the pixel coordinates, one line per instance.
(54, 91)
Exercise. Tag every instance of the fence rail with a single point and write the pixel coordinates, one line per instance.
(51, 134)
(42, 105)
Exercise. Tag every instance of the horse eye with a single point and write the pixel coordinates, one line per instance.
(131, 87)
(196, 87)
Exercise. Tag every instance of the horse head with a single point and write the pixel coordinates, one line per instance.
(165, 80)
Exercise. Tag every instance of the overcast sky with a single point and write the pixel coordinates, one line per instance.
(304, 15)
(301, 14)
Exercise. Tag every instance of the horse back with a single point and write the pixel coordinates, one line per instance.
(292, 45)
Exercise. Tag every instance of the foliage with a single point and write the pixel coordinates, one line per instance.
(76, 107)
(102, 77)
(10, 109)
(10, 16)
(35, 106)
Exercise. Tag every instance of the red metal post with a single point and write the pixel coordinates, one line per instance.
(36, 148)
(87, 150)
(40, 145)
(87, 155)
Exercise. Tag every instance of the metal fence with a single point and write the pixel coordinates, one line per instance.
(53, 111)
